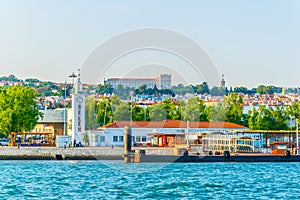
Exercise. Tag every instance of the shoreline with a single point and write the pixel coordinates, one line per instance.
(117, 153)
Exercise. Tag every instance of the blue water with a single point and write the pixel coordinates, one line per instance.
(98, 180)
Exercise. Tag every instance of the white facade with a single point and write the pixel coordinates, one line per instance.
(78, 119)
(115, 136)
(131, 82)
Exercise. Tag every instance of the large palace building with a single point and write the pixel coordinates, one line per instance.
(162, 82)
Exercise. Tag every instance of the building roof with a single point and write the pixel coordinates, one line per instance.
(131, 79)
(174, 124)
(52, 116)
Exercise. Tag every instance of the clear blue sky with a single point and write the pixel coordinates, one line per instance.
(251, 42)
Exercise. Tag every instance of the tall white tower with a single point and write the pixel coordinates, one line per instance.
(78, 112)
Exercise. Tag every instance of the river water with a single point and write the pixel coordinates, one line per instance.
(115, 180)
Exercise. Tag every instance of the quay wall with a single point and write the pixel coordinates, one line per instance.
(241, 158)
(116, 153)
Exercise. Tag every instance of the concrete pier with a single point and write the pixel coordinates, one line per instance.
(141, 155)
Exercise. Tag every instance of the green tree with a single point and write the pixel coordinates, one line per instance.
(171, 109)
(262, 89)
(234, 109)
(139, 113)
(217, 91)
(122, 112)
(157, 113)
(293, 111)
(194, 110)
(104, 89)
(216, 113)
(18, 109)
(104, 111)
(267, 118)
(201, 88)
(91, 113)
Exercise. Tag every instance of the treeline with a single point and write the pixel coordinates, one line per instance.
(180, 89)
(231, 110)
(47, 88)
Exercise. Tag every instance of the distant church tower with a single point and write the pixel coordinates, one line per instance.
(78, 112)
(223, 83)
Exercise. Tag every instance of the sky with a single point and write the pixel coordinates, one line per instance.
(250, 42)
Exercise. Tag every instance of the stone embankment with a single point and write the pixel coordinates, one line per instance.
(52, 153)
(80, 153)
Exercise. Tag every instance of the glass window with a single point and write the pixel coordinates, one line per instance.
(137, 138)
(102, 138)
(121, 138)
(144, 139)
(115, 139)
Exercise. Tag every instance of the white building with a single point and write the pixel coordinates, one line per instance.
(112, 134)
(131, 82)
(162, 82)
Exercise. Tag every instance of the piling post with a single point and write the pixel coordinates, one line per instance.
(127, 144)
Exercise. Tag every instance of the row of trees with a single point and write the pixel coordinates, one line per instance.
(181, 89)
(107, 110)
(47, 88)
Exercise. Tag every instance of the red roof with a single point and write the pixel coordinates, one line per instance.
(173, 124)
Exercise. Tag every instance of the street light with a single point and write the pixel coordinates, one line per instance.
(130, 115)
(73, 76)
(104, 115)
(297, 134)
(65, 110)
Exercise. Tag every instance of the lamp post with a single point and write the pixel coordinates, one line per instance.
(297, 136)
(187, 133)
(73, 75)
(104, 115)
(130, 116)
(65, 110)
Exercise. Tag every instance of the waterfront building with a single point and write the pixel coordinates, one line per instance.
(112, 134)
(51, 122)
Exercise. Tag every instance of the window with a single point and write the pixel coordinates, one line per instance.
(121, 138)
(115, 139)
(102, 138)
(144, 139)
(137, 138)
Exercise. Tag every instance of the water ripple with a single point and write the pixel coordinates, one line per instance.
(96, 180)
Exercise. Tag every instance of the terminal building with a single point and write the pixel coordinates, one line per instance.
(162, 82)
